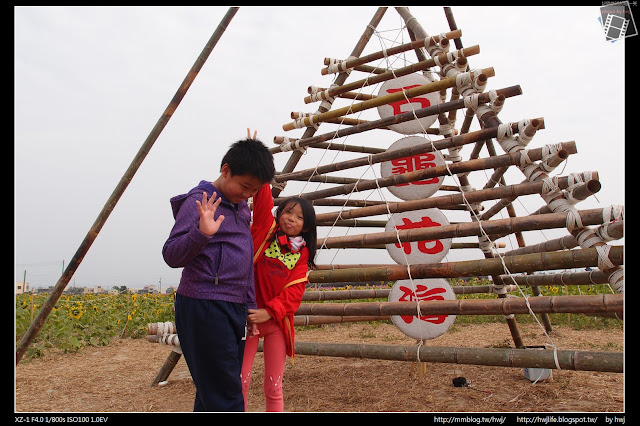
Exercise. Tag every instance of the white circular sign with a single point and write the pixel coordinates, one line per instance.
(418, 252)
(418, 189)
(422, 327)
(405, 105)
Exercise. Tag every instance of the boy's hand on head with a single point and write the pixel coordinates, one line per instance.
(206, 209)
(255, 134)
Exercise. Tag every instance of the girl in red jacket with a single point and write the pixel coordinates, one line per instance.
(284, 250)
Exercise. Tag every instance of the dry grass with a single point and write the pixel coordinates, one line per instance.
(117, 378)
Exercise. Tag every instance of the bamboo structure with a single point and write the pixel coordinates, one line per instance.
(459, 88)
(492, 149)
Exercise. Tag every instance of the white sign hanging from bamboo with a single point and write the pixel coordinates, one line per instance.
(417, 252)
(407, 82)
(414, 190)
(422, 327)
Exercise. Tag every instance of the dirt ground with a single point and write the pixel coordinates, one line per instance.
(118, 377)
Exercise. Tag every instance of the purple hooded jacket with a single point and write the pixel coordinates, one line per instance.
(219, 267)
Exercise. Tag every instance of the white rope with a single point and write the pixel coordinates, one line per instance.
(603, 257)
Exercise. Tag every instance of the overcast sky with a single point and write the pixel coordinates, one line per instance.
(91, 83)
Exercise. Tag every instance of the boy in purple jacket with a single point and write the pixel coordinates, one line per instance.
(211, 240)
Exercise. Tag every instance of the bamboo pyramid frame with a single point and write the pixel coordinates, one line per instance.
(507, 270)
(465, 91)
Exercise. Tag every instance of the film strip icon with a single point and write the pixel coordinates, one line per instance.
(615, 27)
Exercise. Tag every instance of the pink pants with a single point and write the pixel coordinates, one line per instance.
(274, 351)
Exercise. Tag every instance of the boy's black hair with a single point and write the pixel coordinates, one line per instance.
(250, 157)
(309, 232)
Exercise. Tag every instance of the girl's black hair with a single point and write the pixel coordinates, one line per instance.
(309, 232)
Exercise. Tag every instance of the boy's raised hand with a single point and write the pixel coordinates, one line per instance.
(206, 209)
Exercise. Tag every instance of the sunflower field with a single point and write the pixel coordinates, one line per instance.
(95, 319)
(77, 321)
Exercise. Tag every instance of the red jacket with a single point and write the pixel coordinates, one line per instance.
(280, 277)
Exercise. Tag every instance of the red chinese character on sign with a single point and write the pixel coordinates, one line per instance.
(422, 293)
(436, 247)
(410, 164)
(396, 105)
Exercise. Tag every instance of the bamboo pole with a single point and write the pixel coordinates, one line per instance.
(439, 202)
(333, 146)
(378, 293)
(327, 179)
(302, 320)
(454, 245)
(498, 226)
(562, 243)
(382, 100)
(600, 303)
(612, 362)
(603, 361)
(580, 192)
(294, 158)
(167, 367)
(564, 278)
(348, 121)
(452, 26)
(579, 258)
(348, 203)
(368, 69)
(35, 326)
(358, 223)
(358, 96)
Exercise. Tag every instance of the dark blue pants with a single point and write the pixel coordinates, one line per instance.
(211, 338)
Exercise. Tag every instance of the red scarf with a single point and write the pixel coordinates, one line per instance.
(292, 244)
